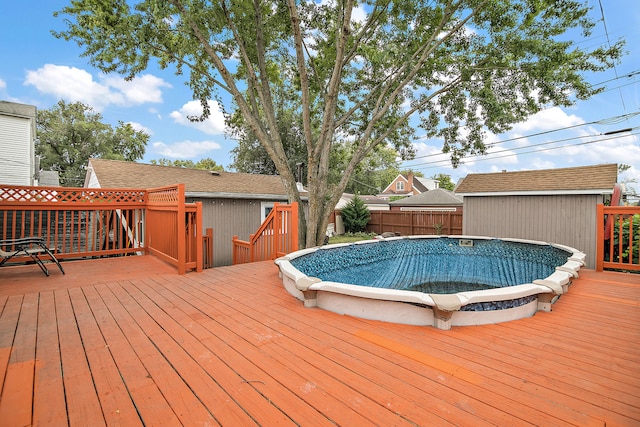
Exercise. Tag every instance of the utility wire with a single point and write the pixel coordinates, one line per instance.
(606, 31)
(607, 121)
(491, 156)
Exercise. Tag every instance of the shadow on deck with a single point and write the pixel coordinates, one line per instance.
(128, 341)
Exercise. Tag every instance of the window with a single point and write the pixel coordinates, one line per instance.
(265, 208)
(400, 186)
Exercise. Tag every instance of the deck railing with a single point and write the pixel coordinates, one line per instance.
(173, 228)
(618, 238)
(207, 248)
(94, 222)
(277, 236)
(76, 222)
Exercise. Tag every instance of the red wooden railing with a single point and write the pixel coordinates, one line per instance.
(76, 222)
(93, 222)
(276, 237)
(173, 232)
(207, 248)
(618, 238)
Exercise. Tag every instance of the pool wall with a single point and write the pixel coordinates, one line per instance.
(440, 310)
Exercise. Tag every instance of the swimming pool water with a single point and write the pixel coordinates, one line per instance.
(434, 265)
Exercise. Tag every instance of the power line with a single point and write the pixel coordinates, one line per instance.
(491, 156)
(607, 121)
(626, 76)
(606, 31)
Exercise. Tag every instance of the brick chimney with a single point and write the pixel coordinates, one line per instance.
(410, 184)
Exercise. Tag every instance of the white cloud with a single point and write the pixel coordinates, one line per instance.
(359, 15)
(185, 149)
(139, 127)
(3, 84)
(621, 149)
(71, 84)
(549, 119)
(213, 125)
(146, 88)
(74, 84)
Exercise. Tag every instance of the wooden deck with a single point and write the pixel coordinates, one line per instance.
(229, 346)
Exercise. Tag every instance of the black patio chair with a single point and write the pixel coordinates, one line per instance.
(33, 247)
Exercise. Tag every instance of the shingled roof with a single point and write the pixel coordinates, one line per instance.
(598, 179)
(436, 197)
(121, 174)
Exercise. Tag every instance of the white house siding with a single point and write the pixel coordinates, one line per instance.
(565, 219)
(16, 161)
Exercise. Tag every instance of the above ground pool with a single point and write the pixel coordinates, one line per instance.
(442, 281)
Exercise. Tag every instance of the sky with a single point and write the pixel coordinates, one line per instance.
(38, 69)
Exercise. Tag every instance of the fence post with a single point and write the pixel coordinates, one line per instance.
(181, 213)
(234, 253)
(277, 228)
(600, 237)
(208, 249)
(252, 248)
(199, 237)
(294, 226)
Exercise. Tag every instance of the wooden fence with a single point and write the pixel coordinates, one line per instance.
(411, 223)
(276, 237)
(95, 222)
(618, 238)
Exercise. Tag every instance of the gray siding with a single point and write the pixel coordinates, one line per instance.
(229, 217)
(565, 219)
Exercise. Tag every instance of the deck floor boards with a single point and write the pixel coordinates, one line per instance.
(129, 342)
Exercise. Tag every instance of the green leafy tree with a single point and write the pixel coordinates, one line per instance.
(70, 134)
(444, 181)
(371, 174)
(355, 215)
(205, 164)
(250, 156)
(374, 172)
(458, 68)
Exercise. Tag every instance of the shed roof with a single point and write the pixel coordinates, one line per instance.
(367, 199)
(436, 197)
(598, 179)
(122, 174)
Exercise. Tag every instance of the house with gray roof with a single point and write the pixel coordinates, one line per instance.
(232, 203)
(437, 199)
(553, 205)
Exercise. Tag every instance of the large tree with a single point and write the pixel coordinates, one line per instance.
(444, 181)
(249, 156)
(361, 71)
(69, 134)
(373, 173)
(206, 164)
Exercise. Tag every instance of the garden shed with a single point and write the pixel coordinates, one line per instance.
(232, 203)
(553, 205)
